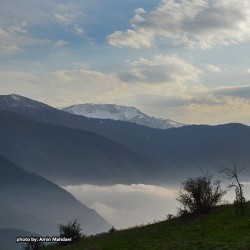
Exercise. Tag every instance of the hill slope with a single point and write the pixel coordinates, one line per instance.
(32, 203)
(70, 156)
(222, 229)
(8, 239)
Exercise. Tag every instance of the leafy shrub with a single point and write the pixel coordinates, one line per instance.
(71, 230)
(199, 195)
(34, 246)
(170, 216)
(112, 230)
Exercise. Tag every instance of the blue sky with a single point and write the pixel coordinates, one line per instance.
(183, 60)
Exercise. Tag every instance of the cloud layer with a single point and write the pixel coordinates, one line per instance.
(130, 205)
(160, 69)
(163, 86)
(124, 206)
(194, 23)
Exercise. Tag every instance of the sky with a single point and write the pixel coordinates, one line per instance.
(186, 60)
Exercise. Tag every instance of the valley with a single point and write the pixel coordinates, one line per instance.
(104, 163)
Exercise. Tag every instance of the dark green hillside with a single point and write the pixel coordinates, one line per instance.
(222, 229)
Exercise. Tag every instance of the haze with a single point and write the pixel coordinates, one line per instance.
(126, 206)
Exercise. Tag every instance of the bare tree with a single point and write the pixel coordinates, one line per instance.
(234, 174)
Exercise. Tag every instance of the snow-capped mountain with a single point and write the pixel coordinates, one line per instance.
(19, 103)
(122, 113)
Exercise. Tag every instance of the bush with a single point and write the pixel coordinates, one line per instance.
(112, 229)
(170, 216)
(34, 246)
(199, 195)
(71, 230)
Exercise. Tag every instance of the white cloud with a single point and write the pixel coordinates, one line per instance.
(8, 48)
(213, 68)
(14, 32)
(8, 38)
(79, 31)
(161, 69)
(62, 88)
(18, 28)
(24, 24)
(194, 23)
(67, 13)
(131, 38)
(124, 205)
(60, 43)
(230, 104)
(234, 91)
(184, 100)
(15, 36)
(65, 19)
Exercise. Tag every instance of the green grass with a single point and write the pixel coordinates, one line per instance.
(222, 229)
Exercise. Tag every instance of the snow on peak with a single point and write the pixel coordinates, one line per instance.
(15, 97)
(17, 101)
(122, 113)
(103, 111)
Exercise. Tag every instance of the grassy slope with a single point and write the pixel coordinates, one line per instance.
(222, 229)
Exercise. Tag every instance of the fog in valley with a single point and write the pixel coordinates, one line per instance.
(130, 205)
(127, 205)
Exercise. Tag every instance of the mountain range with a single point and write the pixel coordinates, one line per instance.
(121, 113)
(170, 153)
(70, 156)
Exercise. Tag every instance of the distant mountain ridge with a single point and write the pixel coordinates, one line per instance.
(121, 113)
(69, 156)
(180, 151)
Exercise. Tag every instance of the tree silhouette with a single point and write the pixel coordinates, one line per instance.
(70, 230)
(34, 245)
(234, 174)
(200, 194)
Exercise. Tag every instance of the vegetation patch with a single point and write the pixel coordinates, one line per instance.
(220, 229)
